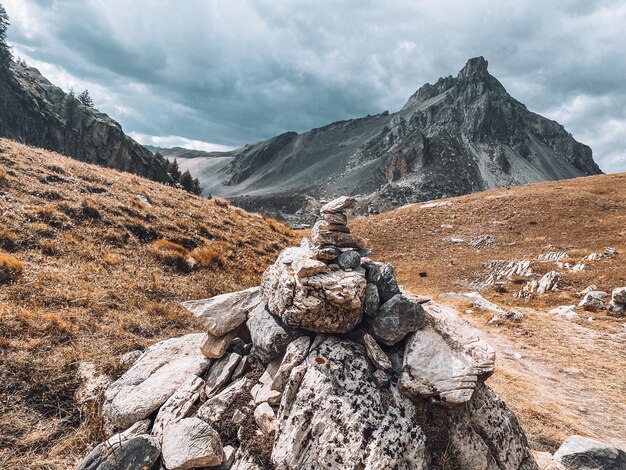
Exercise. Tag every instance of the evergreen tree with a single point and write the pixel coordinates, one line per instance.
(174, 171)
(5, 50)
(186, 181)
(70, 109)
(85, 99)
(196, 188)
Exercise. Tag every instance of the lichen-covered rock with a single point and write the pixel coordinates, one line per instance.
(294, 355)
(191, 443)
(582, 453)
(329, 302)
(383, 276)
(445, 359)
(594, 300)
(349, 260)
(156, 375)
(333, 416)
(372, 300)
(270, 336)
(224, 313)
(483, 434)
(395, 319)
(130, 450)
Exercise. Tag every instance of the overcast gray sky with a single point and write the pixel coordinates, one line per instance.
(221, 73)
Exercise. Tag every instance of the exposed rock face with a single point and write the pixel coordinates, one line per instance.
(330, 302)
(482, 434)
(32, 112)
(460, 135)
(594, 300)
(158, 373)
(319, 428)
(582, 453)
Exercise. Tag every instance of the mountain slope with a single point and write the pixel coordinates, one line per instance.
(93, 264)
(35, 112)
(559, 376)
(462, 134)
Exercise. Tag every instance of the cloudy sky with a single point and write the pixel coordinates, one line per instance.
(214, 74)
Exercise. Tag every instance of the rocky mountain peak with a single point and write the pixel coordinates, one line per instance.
(475, 67)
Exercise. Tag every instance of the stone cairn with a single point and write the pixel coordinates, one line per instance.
(327, 364)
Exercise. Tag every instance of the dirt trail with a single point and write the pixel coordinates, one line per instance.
(548, 380)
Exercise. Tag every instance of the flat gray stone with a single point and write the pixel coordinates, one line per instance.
(270, 336)
(220, 373)
(224, 313)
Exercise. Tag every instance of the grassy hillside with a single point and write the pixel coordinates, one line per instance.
(561, 377)
(93, 263)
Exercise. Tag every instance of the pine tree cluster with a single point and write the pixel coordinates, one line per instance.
(184, 179)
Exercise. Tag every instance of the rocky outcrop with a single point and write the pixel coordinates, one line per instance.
(401, 386)
(35, 112)
(347, 420)
(459, 135)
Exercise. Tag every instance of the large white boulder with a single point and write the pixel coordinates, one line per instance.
(191, 443)
(150, 381)
(445, 359)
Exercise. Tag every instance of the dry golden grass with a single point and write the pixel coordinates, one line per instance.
(11, 268)
(100, 278)
(572, 375)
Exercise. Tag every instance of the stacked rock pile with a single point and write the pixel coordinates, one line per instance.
(327, 364)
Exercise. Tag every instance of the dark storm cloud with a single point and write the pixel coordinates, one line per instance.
(231, 72)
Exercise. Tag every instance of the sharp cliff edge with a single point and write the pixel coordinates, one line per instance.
(35, 112)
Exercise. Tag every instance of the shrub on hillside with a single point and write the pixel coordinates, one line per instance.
(172, 254)
(4, 182)
(8, 240)
(210, 255)
(10, 268)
